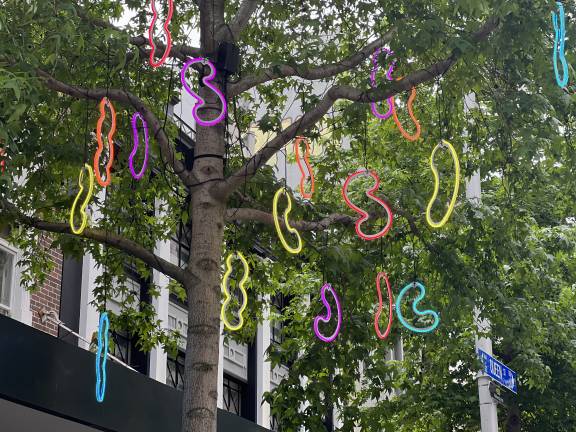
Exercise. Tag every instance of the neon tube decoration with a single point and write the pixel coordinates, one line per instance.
(103, 103)
(86, 168)
(303, 193)
(102, 356)
(390, 100)
(207, 80)
(443, 221)
(405, 134)
(417, 300)
(228, 297)
(559, 22)
(292, 250)
(165, 26)
(135, 117)
(364, 216)
(2, 161)
(326, 318)
(384, 335)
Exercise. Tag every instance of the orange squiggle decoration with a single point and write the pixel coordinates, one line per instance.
(384, 335)
(105, 101)
(299, 139)
(410, 112)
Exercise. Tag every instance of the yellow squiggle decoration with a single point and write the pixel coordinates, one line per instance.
(87, 169)
(290, 229)
(228, 298)
(437, 185)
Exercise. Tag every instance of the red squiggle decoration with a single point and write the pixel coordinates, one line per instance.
(153, 62)
(364, 215)
(2, 161)
(299, 139)
(379, 276)
(105, 101)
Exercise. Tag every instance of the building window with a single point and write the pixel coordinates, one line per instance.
(133, 295)
(279, 302)
(121, 348)
(175, 371)
(178, 253)
(233, 392)
(6, 274)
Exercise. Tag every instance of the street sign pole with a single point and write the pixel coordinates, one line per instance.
(488, 407)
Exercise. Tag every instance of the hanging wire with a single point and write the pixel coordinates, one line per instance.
(414, 257)
(108, 68)
(324, 272)
(440, 125)
(86, 132)
(381, 249)
(366, 140)
(286, 169)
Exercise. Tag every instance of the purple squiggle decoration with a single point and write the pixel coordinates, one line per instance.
(388, 77)
(328, 315)
(134, 122)
(207, 80)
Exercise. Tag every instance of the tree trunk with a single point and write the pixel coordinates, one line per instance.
(199, 404)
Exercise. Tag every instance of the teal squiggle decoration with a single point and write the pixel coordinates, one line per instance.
(417, 300)
(102, 356)
(559, 22)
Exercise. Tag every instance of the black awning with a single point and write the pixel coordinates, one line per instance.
(50, 375)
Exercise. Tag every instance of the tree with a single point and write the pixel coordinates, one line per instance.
(512, 254)
(64, 56)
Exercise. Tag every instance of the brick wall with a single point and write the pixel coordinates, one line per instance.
(48, 296)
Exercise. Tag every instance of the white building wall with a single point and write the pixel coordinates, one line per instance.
(158, 357)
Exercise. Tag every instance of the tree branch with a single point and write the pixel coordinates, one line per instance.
(240, 21)
(314, 73)
(116, 241)
(180, 51)
(255, 215)
(335, 93)
(127, 98)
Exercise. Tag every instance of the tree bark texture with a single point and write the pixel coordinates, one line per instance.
(199, 404)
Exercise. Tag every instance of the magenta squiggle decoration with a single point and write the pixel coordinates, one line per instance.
(328, 316)
(134, 122)
(388, 77)
(207, 82)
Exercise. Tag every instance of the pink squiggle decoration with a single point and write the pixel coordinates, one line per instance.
(328, 316)
(388, 77)
(207, 82)
(135, 118)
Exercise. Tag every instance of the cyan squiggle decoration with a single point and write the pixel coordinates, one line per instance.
(417, 300)
(102, 356)
(559, 22)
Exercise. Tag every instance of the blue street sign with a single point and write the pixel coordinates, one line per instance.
(499, 372)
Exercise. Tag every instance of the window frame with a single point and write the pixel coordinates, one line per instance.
(176, 361)
(241, 391)
(19, 298)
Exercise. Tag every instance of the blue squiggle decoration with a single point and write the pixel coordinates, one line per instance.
(102, 357)
(559, 22)
(422, 289)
